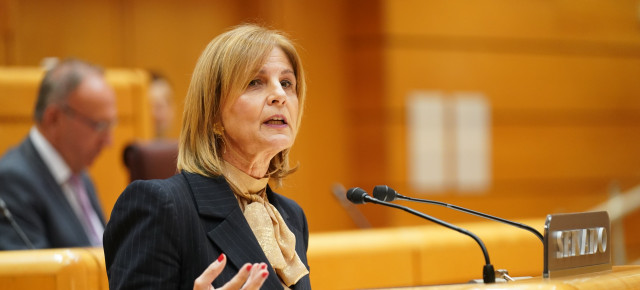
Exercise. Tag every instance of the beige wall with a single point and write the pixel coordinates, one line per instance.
(560, 76)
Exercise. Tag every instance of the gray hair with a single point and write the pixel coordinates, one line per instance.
(60, 81)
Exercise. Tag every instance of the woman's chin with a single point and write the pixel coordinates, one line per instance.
(279, 145)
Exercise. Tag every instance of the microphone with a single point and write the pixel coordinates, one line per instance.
(386, 193)
(358, 196)
(6, 213)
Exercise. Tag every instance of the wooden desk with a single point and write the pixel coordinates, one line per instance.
(421, 255)
(53, 269)
(98, 254)
(620, 278)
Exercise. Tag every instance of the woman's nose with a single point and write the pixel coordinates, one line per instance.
(277, 95)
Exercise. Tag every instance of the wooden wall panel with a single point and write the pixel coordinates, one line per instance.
(87, 30)
(365, 112)
(567, 122)
(518, 83)
(5, 31)
(560, 78)
(168, 37)
(528, 19)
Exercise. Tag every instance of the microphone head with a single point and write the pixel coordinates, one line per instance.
(384, 193)
(356, 195)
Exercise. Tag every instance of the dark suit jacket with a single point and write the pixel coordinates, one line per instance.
(164, 233)
(38, 204)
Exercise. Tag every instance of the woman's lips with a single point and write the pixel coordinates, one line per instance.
(276, 121)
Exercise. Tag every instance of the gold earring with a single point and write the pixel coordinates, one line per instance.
(218, 129)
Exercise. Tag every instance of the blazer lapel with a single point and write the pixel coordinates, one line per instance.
(226, 225)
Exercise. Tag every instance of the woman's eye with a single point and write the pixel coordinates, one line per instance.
(254, 83)
(286, 83)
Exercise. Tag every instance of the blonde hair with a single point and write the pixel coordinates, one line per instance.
(223, 71)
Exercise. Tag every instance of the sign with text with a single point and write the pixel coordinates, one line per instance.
(577, 243)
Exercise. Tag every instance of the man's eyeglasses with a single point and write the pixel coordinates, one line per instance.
(98, 126)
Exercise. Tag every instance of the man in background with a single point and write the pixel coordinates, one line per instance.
(43, 181)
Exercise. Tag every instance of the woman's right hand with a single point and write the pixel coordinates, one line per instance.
(249, 277)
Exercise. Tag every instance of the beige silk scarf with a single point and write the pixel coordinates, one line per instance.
(275, 238)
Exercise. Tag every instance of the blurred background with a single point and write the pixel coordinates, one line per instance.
(518, 109)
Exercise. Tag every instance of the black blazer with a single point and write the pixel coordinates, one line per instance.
(38, 204)
(164, 233)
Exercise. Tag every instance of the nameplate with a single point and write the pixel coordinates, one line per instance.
(577, 243)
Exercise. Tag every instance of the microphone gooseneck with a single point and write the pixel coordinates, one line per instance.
(386, 193)
(7, 214)
(359, 196)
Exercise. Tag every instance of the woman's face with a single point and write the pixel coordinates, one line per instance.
(262, 121)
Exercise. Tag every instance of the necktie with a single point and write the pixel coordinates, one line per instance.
(88, 214)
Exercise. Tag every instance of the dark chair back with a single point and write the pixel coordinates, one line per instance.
(151, 160)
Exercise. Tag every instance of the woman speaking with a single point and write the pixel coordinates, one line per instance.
(218, 223)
